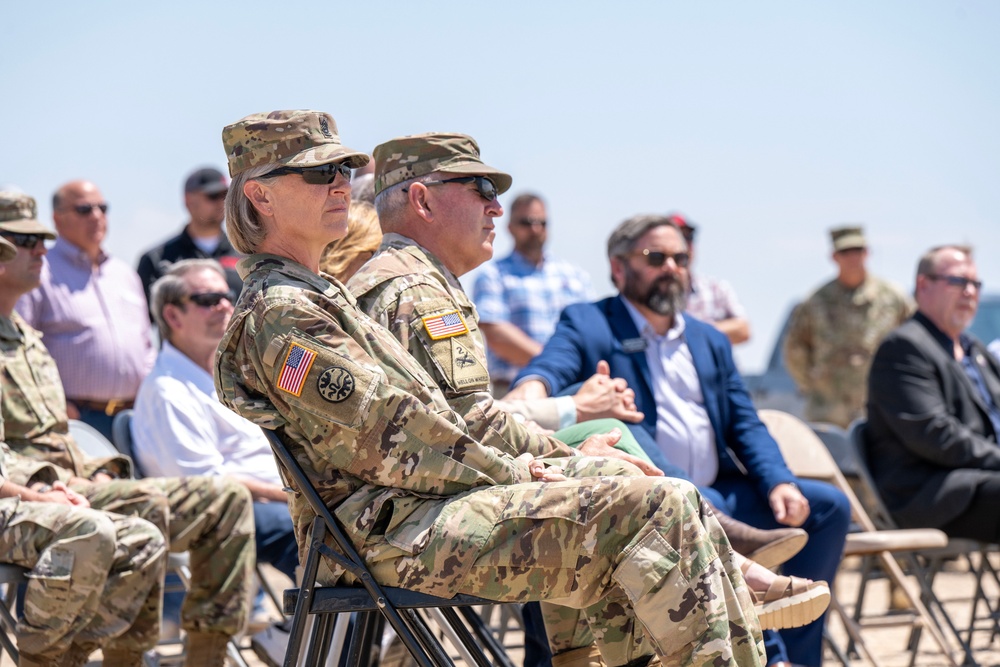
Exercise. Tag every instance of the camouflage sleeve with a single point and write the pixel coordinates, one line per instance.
(458, 365)
(339, 398)
(26, 471)
(797, 348)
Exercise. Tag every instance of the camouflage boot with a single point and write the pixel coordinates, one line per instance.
(122, 657)
(585, 656)
(206, 649)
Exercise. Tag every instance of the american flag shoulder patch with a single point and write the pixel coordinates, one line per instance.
(445, 325)
(294, 371)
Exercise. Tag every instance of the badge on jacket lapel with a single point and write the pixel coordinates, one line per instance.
(630, 345)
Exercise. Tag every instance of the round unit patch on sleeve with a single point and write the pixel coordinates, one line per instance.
(445, 325)
(335, 384)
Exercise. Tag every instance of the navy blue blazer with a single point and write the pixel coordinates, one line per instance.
(589, 332)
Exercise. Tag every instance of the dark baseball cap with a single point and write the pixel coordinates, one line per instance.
(207, 180)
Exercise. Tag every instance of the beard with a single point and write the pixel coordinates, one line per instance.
(667, 295)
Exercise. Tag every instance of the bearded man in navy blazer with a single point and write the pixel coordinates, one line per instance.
(698, 413)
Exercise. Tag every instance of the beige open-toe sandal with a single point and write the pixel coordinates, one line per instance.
(789, 602)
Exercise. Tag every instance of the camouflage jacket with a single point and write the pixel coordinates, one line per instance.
(34, 405)
(366, 421)
(411, 293)
(831, 340)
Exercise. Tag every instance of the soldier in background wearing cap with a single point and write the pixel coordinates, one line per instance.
(92, 311)
(202, 237)
(211, 518)
(710, 299)
(834, 333)
(378, 439)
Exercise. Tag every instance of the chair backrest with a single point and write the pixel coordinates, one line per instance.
(90, 440)
(121, 437)
(838, 444)
(877, 510)
(808, 457)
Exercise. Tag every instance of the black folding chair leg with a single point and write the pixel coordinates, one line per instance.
(486, 637)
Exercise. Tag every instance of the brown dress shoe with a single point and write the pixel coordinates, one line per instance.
(767, 547)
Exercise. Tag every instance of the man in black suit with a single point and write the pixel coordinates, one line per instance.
(934, 408)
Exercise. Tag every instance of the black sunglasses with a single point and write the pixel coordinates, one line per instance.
(486, 188)
(85, 209)
(958, 281)
(216, 196)
(531, 222)
(26, 241)
(324, 174)
(210, 299)
(656, 258)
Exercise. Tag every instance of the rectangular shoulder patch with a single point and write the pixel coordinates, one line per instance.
(445, 325)
(294, 371)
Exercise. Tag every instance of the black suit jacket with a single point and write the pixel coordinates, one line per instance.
(930, 437)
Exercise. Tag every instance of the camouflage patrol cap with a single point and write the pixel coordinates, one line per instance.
(401, 159)
(847, 238)
(18, 215)
(297, 138)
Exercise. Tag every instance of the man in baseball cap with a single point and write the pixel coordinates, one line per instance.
(202, 237)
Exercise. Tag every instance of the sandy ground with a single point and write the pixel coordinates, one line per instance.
(889, 644)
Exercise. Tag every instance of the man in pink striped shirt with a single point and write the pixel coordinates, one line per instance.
(92, 311)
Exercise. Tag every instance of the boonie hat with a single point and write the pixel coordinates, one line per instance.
(207, 181)
(296, 138)
(18, 214)
(401, 159)
(847, 238)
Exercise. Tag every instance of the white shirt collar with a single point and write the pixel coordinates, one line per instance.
(646, 329)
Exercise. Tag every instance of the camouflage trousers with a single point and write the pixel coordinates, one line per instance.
(638, 564)
(211, 518)
(91, 574)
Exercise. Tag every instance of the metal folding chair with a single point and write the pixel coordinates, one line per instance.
(11, 577)
(984, 614)
(808, 458)
(373, 603)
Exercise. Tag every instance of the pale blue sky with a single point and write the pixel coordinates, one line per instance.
(765, 122)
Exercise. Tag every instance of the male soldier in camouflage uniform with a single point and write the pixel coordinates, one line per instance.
(212, 518)
(91, 572)
(432, 507)
(834, 333)
(411, 287)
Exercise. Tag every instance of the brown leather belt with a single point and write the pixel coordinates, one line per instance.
(110, 408)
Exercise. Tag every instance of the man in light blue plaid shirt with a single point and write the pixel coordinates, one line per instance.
(520, 297)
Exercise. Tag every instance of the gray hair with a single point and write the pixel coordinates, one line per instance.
(244, 226)
(929, 260)
(623, 238)
(392, 201)
(170, 288)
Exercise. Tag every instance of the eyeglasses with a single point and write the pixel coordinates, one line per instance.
(26, 241)
(85, 209)
(217, 196)
(957, 281)
(486, 188)
(656, 258)
(210, 299)
(532, 222)
(324, 174)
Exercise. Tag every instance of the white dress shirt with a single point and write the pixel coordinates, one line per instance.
(180, 428)
(683, 430)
